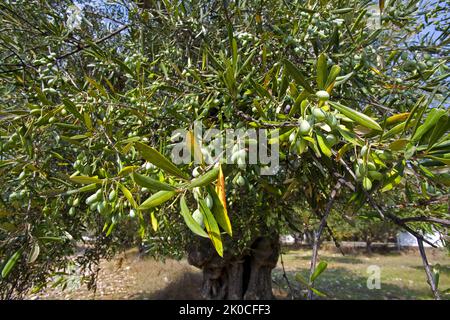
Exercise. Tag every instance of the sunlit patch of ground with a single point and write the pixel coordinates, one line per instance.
(130, 277)
(402, 274)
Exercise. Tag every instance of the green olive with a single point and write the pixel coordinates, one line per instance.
(304, 127)
(323, 95)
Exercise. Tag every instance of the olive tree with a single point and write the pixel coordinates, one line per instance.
(350, 95)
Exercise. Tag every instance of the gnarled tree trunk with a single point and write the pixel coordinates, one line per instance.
(236, 277)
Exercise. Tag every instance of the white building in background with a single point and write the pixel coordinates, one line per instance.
(406, 239)
(287, 239)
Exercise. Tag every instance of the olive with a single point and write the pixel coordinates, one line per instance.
(112, 195)
(76, 202)
(323, 95)
(331, 139)
(304, 127)
(318, 114)
(367, 184)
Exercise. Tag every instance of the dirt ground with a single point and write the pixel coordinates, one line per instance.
(130, 277)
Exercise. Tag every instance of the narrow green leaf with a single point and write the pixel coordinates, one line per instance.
(11, 263)
(189, 220)
(211, 226)
(395, 130)
(128, 195)
(150, 183)
(442, 126)
(323, 145)
(71, 107)
(321, 71)
(153, 156)
(205, 179)
(110, 229)
(297, 75)
(86, 180)
(156, 199)
(127, 170)
(334, 72)
(357, 116)
(219, 213)
(432, 118)
(319, 269)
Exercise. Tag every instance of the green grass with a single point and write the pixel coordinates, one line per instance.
(402, 274)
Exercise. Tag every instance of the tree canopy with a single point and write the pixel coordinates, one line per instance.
(353, 95)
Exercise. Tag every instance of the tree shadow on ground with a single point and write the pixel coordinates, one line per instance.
(185, 287)
(336, 283)
(339, 283)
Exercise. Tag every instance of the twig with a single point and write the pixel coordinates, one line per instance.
(112, 34)
(383, 214)
(285, 276)
(443, 222)
(430, 278)
(317, 235)
(249, 118)
(70, 53)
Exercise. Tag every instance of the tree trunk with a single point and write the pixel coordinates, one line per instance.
(369, 246)
(236, 277)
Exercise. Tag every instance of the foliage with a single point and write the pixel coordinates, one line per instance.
(90, 96)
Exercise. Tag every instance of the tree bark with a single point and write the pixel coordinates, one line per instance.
(247, 276)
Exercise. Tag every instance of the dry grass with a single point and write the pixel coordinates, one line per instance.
(130, 277)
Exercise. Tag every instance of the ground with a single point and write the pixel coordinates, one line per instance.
(130, 277)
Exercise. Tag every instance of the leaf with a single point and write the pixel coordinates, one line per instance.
(443, 160)
(359, 117)
(439, 130)
(156, 158)
(87, 120)
(11, 263)
(350, 136)
(194, 148)
(211, 226)
(395, 130)
(71, 107)
(127, 170)
(110, 229)
(190, 222)
(323, 145)
(86, 180)
(431, 120)
(205, 179)
(321, 71)
(397, 118)
(297, 75)
(219, 212)
(398, 144)
(150, 183)
(128, 195)
(154, 221)
(334, 72)
(319, 269)
(34, 253)
(221, 190)
(157, 199)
